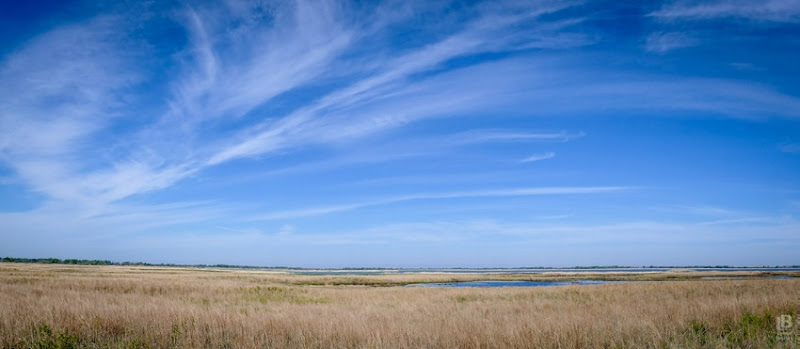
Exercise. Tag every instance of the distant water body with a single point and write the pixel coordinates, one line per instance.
(521, 270)
(514, 283)
(547, 283)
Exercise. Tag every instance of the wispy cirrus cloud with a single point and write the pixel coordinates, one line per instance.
(239, 61)
(718, 96)
(768, 10)
(54, 112)
(383, 151)
(662, 42)
(644, 232)
(233, 71)
(538, 157)
(363, 107)
(117, 139)
(482, 136)
(315, 211)
(700, 210)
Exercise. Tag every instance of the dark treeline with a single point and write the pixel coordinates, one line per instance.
(55, 261)
(107, 262)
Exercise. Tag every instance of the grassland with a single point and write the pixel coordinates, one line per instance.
(148, 307)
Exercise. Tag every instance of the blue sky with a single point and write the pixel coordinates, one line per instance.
(401, 133)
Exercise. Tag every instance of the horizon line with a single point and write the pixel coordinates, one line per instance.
(104, 262)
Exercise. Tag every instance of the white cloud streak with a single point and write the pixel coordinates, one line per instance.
(316, 211)
(664, 42)
(766, 10)
(715, 96)
(538, 157)
(483, 136)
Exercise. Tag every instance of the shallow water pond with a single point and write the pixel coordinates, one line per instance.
(513, 283)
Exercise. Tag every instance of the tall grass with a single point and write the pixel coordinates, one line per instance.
(128, 307)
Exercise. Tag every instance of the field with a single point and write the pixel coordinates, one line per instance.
(147, 307)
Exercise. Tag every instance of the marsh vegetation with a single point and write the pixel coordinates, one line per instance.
(147, 307)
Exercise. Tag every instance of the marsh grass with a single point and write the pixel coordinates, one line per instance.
(48, 306)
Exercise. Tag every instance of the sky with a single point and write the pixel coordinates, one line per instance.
(401, 133)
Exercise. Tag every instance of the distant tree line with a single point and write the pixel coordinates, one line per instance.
(56, 261)
(107, 262)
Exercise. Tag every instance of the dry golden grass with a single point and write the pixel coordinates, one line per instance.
(132, 307)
